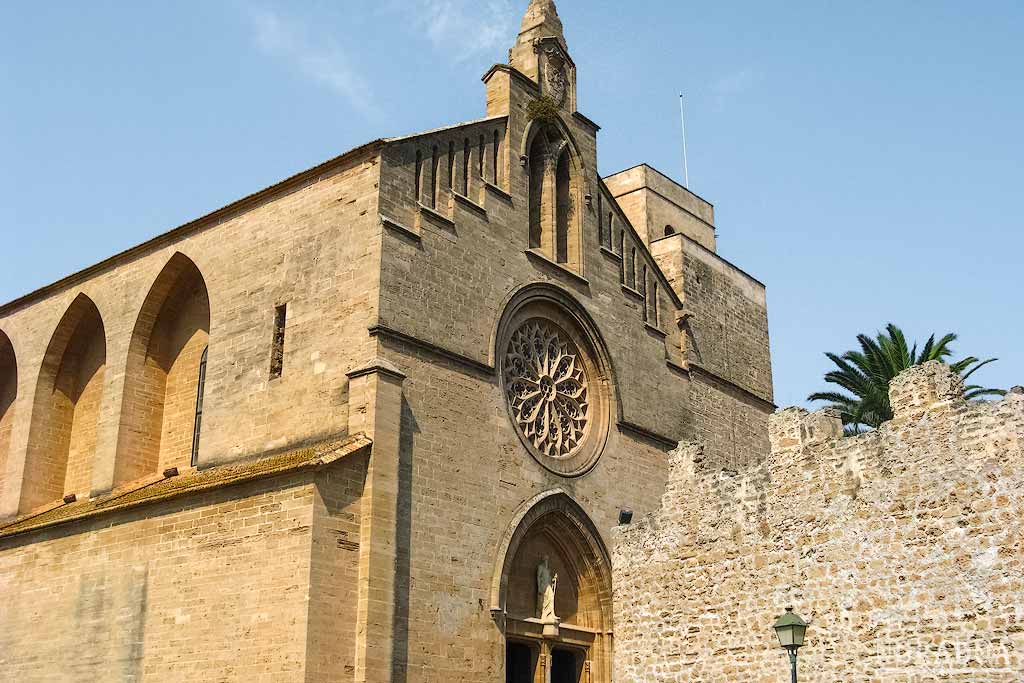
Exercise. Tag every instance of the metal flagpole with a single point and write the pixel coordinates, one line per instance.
(686, 167)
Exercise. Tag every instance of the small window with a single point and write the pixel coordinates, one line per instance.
(434, 166)
(480, 159)
(451, 165)
(201, 389)
(465, 168)
(418, 182)
(494, 158)
(277, 349)
(669, 231)
(643, 291)
(622, 253)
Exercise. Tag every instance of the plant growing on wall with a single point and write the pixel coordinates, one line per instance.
(543, 109)
(866, 373)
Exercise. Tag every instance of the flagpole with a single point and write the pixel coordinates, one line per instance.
(686, 166)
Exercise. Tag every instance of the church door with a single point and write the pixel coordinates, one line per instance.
(519, 667)
(565, 666)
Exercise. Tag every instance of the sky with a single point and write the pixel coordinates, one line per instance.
(864, 159)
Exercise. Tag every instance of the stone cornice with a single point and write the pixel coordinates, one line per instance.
(159, 488)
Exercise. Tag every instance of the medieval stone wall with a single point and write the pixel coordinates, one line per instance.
(902, 547)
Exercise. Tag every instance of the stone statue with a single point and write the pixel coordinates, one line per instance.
(546, 586)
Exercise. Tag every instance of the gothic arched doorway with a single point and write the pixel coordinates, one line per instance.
(552, 595)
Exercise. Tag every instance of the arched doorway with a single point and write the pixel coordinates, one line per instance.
(551, 595)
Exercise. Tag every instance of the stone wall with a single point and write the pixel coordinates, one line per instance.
(252, 582)
(902, 547)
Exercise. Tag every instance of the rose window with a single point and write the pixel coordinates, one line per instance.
(546, 388)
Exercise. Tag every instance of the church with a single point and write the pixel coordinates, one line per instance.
(377, 422)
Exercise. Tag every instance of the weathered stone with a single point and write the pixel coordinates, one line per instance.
(900, 546)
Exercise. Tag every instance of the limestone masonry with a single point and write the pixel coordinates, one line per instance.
(902, 547)
(378, 422)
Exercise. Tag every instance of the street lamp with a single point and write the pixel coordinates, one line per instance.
(790, 629)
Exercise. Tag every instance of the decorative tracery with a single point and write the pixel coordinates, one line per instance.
(546, 388)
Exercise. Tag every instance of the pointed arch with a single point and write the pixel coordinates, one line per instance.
(556, 191)
(65, 412)
(162, 377)
(8, 396)
(552, 528)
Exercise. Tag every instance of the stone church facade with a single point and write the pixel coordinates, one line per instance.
(378, 421)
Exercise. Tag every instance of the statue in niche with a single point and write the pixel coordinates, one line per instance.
(547, 582)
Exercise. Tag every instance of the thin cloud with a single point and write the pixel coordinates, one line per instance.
(463, 29)
(322, 61)
(732, 85)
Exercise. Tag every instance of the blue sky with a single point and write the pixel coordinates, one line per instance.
(865, 159)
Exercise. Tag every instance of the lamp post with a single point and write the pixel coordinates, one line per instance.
(791, 629)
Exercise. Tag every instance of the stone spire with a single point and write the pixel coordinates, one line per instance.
(541, 21)
(541, 52)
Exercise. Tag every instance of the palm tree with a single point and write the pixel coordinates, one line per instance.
(866, 375)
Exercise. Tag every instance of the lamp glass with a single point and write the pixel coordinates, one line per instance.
(790, 629)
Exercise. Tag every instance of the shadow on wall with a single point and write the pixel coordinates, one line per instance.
(65, 414)
(165, 358)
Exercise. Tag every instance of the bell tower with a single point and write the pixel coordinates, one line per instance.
(542, 54)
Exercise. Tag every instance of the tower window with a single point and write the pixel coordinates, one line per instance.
(669, 231)
(562, 209)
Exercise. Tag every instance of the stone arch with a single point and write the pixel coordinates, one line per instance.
(162, 377)
(553, 529)
(8, 396)
(548, 303)
(65, 412)
(557, 180)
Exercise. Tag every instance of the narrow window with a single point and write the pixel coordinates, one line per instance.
(654, 304)
(622, 253)
(417, 185)
(562, 209)
(632, 269)
(538, 223)
(434, 166)
(643, 291)
(480, 158)
(611, 231)
(669, 231)
(277, 350)
(465, 169)
(494, 158)
(600, 220)
(451, 165)
(200, 388)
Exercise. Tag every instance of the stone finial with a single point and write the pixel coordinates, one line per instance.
(541, 22)
(915, 390)
(542, 19)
